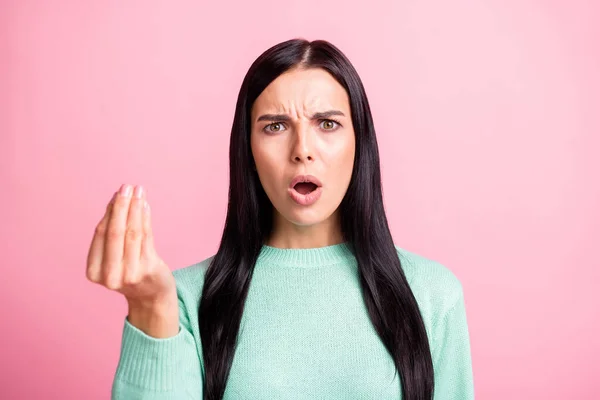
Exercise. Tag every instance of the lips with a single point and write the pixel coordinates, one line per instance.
(305, 189)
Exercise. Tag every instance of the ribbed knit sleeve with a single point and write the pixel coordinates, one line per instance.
(158, 369)
(452, 356)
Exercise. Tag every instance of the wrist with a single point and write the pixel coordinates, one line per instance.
(157, 318)
(158, 304)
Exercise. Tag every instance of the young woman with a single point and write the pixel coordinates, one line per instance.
(307, 296)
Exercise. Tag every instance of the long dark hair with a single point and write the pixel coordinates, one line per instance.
(389, 300)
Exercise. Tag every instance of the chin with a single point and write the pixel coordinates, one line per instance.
(306, 217)
(304, 221)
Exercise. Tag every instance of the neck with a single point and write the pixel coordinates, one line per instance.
(287, 235)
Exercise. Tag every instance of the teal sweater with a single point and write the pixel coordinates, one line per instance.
(305, 334)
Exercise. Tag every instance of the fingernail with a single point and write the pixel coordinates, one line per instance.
(126, 190)
(146, 206)
(139, 191)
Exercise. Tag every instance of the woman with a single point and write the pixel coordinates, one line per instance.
(307, 296)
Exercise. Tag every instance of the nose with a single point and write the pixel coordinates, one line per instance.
(303, 147)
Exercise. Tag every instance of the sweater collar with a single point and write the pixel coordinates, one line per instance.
(306, 258)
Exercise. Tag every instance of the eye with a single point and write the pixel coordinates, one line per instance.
(274, 127)
(329, 124)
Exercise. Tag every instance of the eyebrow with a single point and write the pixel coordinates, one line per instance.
(285, 117)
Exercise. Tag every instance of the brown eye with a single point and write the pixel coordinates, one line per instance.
(275, 127)
(328, 125)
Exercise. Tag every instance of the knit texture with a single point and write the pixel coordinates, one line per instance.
(305, 334)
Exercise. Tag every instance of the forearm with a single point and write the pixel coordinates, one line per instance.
(157, 369)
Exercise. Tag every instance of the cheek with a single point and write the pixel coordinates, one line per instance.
(265, 158)
(265, 150)
(268, 167)
(343, 154)
(259, 153)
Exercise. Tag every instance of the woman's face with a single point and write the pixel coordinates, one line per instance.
(301, 125)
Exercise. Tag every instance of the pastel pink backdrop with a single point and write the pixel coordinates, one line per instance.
(487, 120)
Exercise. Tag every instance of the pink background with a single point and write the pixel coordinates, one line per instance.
(487, 119)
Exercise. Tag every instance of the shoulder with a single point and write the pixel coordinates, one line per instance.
(436, 288)
(190, 281)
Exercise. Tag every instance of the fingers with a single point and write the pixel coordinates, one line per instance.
(122, 241)
(95, 253)
(148, 243)
(114, 246)
(134, 235)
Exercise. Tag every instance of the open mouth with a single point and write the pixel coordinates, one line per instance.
(305, 187)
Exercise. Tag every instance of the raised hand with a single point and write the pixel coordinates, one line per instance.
(122, 258)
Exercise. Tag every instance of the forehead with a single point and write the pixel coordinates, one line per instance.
(302, 90)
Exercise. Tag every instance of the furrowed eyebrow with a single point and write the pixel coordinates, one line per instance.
(327, 114)
(274, 117)
(285, 117)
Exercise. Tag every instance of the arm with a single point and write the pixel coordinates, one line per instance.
(452, 355)
(159, 359)
(158, 368)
